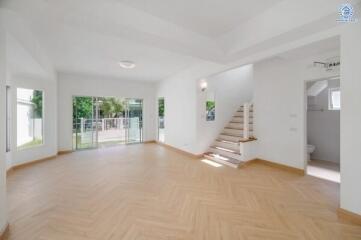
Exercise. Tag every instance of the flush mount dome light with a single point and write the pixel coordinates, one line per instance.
(127, 64)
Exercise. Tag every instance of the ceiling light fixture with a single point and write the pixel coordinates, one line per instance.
(127, 64)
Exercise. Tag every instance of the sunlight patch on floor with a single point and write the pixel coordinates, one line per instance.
(213, 164)
(325, 170)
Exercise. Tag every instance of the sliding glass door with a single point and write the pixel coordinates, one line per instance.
(83, 123)
(161, 135)
(134, 114)
(104, 121)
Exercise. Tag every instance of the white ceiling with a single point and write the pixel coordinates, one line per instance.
(327, 46)
(20, 62)
(208, 17)
(78, 51)
(162, 37)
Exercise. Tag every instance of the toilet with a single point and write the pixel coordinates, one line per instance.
(310, 150)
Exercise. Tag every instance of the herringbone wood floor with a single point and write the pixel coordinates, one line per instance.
(150, 192)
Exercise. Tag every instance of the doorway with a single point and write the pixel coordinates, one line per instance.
(323, 128)
(106, 121)
(161, 134)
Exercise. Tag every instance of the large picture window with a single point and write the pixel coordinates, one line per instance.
(29, 118)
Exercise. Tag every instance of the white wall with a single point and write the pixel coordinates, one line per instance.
(27, 66)
(180, 93)
(23, 64)
(279, 105)
(70, 85)
(186, 127)
(49, 146)
(3, 208)
(351, 118)
(323, 127)
(231, 89)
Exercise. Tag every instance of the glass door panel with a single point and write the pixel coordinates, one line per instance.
(83, 123)
(111, 121)
(161, 134)
(135, 120)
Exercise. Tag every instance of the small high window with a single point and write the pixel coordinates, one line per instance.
(334, 99)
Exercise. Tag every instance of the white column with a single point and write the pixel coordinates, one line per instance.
(351, 118)
(3, 209)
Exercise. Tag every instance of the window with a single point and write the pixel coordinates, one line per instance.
(29, 118)
(334, 99)
(210, 106)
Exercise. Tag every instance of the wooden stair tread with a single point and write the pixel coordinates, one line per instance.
(233, 128)
(241, 110)
(251, 139)
(225, 149)
(231, 135)
(239, 122)
(226, 141)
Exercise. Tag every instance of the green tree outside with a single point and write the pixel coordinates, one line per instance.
(37, 100)
(161, 107)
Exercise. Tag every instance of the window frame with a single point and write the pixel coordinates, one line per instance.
(8, 118)
(331, 105)
(20, 148)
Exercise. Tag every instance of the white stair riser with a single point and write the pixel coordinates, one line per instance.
(229, 138)
(231, 146)
(237, 120)
(239, 126)
(240, 120)
(222, 162)
(250, 107)
(238, 133)
(240, 114)
(225, 153)
(235, 125)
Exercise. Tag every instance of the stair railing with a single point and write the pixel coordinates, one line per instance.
(246, 110)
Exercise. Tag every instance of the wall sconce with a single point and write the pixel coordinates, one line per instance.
(204, 85)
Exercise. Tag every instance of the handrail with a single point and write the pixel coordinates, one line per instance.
(246, 109)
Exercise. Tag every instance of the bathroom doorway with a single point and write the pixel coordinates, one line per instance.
(323, 128)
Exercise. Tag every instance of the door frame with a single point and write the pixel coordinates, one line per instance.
(158, 118)
(95, 144)
(305, 122)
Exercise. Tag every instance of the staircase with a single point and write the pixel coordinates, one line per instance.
(227, 149)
